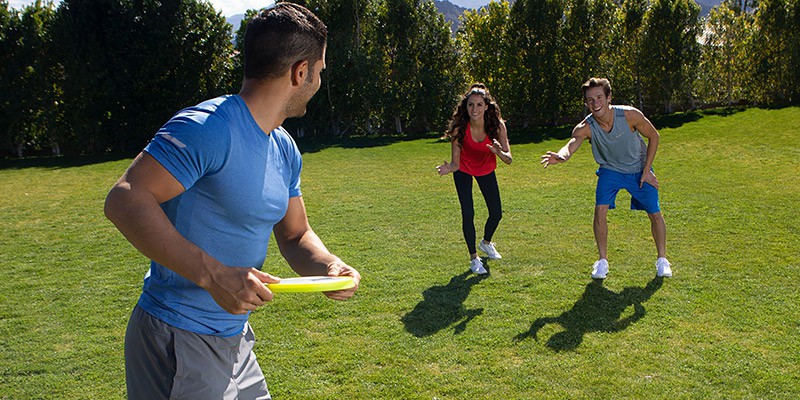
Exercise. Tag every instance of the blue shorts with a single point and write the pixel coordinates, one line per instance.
(610, 182)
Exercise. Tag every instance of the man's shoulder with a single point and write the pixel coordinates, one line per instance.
(212, 112)
(283, 136)
(628, 111)
(286, 143)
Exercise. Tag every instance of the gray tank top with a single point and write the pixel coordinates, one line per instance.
(622, 149)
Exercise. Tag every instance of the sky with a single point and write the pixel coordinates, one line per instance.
(233, 7)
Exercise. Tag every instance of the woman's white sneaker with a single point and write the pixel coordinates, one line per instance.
(488, 248)
(476, 265)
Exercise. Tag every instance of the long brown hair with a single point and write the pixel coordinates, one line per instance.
(491, 118)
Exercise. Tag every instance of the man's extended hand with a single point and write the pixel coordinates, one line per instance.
(552, 158)
(339, 268)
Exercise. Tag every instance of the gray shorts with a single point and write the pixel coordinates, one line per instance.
(164, 362)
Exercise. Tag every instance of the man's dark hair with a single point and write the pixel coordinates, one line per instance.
(596, 82)
(280, 36)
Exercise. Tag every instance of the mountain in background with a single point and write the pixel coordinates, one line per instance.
(471, 4)
(235, 20)
(454, 8)
(451, 13)
(707, 5)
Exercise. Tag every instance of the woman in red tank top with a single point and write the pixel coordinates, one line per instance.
(478, 137)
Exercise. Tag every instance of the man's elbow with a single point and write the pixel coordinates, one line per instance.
(112, 208)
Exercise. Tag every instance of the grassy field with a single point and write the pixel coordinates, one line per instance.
(726, 326)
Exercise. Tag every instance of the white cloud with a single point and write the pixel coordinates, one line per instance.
(227, 7)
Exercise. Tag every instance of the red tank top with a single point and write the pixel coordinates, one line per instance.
(476, 158)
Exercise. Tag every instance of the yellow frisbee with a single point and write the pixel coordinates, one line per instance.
(312, 284)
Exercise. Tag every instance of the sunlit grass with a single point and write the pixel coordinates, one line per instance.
(421, 327)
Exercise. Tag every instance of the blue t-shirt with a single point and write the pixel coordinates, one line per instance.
(237, 181)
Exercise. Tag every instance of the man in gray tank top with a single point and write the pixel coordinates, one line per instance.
(615, 134)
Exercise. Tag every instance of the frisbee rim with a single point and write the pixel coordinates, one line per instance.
(307, 284)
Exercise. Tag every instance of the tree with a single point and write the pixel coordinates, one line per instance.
(10, 71)
(439, 73)
(399, 21)
(129, 65)
(418, 56)
(537, 45)
(794, 49)
(348, 101)
(774, 51)
(589, 26)
(488, 51)
(626, 69)
(724, 66)
(237, 60)
(670, 52)
(28, 100)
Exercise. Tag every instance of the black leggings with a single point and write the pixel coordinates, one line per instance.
(491, 194)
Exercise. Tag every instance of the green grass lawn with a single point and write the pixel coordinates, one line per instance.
(726, 326)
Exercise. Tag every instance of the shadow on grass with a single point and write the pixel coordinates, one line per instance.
(677, 120)
(315, 144)
(598, 310)
(443, 306)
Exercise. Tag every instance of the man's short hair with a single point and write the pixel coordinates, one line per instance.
(596, 82)
(280, 36)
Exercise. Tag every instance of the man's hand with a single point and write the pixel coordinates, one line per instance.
(339, 268)
(649, 177)
(239, 290)
(552, 157)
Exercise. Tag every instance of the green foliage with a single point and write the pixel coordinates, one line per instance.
(348, 102)
(775, 51)
(537, 38)
(129, 65)
(725, 67)
(421, 326)
(439, 73)
(27, 117)
(670, 52)
(96, 76)
(626, 71)
(589, 27)
(390, 69)
(488, 51)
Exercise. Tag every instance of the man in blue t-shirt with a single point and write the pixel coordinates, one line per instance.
(625, 163)
(201, 201)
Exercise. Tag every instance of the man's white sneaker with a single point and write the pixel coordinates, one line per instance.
(476, 265)
(600, 269)
(489, 249)
(663, 267)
